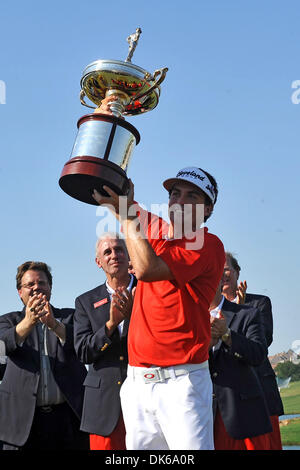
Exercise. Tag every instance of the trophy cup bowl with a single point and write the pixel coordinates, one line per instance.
(104, 143)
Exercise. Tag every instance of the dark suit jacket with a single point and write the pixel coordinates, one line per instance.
(237, 390)
(107, 359)
(265, 371)
(18, 390)
(2, 359)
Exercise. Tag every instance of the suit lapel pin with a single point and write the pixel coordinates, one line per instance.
(100, 302)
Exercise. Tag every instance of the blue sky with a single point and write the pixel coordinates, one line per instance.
(226, 106)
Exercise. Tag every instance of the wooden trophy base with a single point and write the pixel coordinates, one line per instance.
(81, 175)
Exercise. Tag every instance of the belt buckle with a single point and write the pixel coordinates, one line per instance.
(153, 376)
(46, 409)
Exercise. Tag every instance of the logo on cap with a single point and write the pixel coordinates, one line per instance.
(190, 173)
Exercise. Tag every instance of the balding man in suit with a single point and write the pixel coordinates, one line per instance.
(100, 334)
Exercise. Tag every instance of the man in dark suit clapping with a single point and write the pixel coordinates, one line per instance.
(100, 334)
(238, 345)
(41, 392)
(237, 293)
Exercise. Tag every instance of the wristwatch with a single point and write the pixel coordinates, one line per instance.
(57, 323)
(226, 335)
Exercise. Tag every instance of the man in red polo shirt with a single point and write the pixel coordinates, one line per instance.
(167, 396)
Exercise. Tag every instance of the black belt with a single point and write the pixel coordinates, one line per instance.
(49, 408)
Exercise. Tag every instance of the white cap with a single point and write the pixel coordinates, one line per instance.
(196, 177)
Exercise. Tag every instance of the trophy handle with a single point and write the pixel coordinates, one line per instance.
(82, 95)
(161, 74)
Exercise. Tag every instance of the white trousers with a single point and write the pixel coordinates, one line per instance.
(175, 414)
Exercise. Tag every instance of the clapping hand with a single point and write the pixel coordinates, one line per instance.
(241, 292)
(120, 308)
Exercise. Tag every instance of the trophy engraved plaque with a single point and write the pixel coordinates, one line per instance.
(104, 143)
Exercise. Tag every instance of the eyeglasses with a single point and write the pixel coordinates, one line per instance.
(30, 285)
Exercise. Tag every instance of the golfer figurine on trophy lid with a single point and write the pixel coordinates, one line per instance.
(104, 143)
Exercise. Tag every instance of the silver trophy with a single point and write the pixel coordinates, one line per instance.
(104, 143)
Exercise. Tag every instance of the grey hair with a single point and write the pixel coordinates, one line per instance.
(234, 261)
(113, 235)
